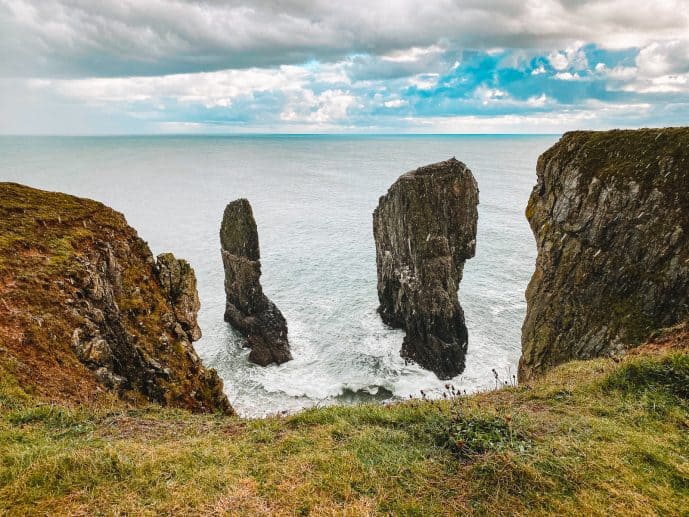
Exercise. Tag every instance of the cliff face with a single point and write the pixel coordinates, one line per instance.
(425, 229)
(247, 309)
(84, 308)
(610, 213)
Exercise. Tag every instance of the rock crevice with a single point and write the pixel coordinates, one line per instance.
(425, 229)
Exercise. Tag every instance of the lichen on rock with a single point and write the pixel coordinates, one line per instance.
(425, 229)
(247, 308)
(610, 214)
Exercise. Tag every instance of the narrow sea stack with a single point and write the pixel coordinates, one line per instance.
(86, 310)
(247, 309)
(425, 229)
(610, 214)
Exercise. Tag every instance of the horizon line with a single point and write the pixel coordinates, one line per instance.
(254, 134)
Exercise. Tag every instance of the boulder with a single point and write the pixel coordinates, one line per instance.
(425, 229)
(247, 309)
(610, 214)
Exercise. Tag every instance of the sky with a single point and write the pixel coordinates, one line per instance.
(300, 66)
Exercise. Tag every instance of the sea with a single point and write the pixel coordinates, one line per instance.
(313, 198)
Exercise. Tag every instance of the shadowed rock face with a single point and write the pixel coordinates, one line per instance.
(425, 229)
(247, 309)
(610, 213)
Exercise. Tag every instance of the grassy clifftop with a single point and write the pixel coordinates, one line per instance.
(590, 438)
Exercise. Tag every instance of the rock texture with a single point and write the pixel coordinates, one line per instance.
(425, 229)
(178, 282)
(247, 309)
(610, 213)
(85, 309)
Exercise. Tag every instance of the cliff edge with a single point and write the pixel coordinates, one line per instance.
(85, 310)
(610, 214)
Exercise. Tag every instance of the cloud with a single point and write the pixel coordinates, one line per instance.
(85, 38)
(660, 58)
(660, 67)
(567, 76)
(327, 107)
(395, 103)
(571, 58)
(298, 65)
(336, 96)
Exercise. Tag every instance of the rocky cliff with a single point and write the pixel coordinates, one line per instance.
(247, 309)
(425, 229)
(610, 213)
(86, 310)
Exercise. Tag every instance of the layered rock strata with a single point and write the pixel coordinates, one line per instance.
(610, 214)
(425, 229)
(84, 308)
(247, 309)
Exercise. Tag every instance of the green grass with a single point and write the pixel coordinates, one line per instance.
(591, 438)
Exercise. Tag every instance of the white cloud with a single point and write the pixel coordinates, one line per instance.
(622, 73)
(395, 103)
(538, 101)
(209, 89)
(488, 95)
(413, 54)
(567, 76)
(661, 67)
(329, 106)
(572, 58)
(424, 81)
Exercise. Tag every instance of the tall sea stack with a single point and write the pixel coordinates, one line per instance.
(425, 229)
(610, 213)
(247, 309)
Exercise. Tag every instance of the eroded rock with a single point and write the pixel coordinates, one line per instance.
(610, 214)
(247, 309)
(425, 229)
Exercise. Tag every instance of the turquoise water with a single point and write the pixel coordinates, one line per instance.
(313, 197)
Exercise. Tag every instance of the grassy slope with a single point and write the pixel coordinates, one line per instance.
(594, 437)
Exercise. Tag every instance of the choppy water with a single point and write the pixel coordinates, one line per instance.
(312, 198)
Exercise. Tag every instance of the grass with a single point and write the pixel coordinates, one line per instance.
(590, 438)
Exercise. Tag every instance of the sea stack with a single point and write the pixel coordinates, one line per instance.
(247, 309)
(425, 229)
(610, 214)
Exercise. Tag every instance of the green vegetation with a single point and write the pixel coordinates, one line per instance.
(590, 438)
(641, 156)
